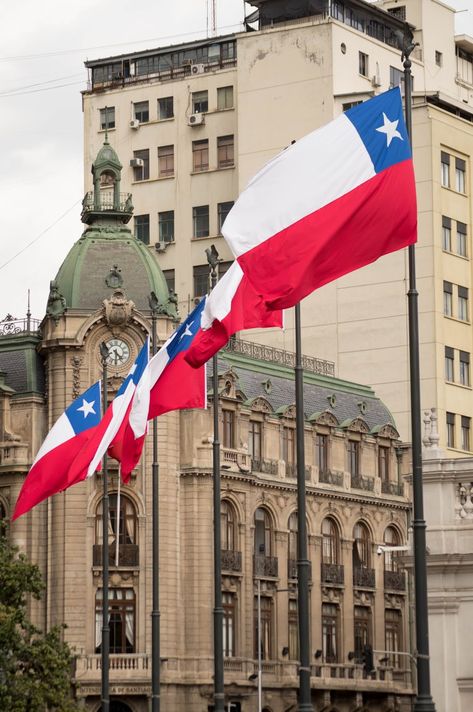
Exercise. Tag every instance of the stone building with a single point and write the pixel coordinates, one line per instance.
(355, 502)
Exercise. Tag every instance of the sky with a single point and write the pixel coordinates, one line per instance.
(43, 49)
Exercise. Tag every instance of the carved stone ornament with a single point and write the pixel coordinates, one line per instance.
(227, 383)
(114, 279)
(76, 362)
(261, 405)
(358, 425)
(324, 418)
(289, 412)
(388, 431)
(118, 309)
(56, 303)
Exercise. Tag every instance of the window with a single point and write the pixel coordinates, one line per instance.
(200, 219)
(228, 526)
(293, 629)
(354, 457)
(463, 303)
(165, 161)
(200, 156)
(141, 111)
(438, 58)
(166, 226)
(461, 239)
(121, 619)
(289, 448)
(263, 533)
(383, 462)
(228, 435)
(363, 64)
(399, 12)
(225, 152)
(266, 627)
(142, 228)
(464, 368)
(200, 102)
(201, 280)
(396, 78)
(122, 533)
(141, 172)
(170, 277)
(445, 169)
(361, 547)
(292, 545)
(465, 432)
(449, 362)
(362, 630)
(350, 105)
(222, 211)
(166, 108)
(224, 98)
(391, 538)
(255, 428)
(393, 635)
(330, 542)
(107, 118)
(450, 429)
(321, 452)
(223, 268)
(330, 616)
(460, 173)
(447, 298)
(446, 233)
(229, 624)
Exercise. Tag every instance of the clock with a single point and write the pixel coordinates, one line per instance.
(118, 352)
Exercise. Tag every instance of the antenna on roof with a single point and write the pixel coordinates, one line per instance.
(28, 314)
(212, 17)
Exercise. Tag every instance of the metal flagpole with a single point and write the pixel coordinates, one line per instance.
(423, 701)
(155, 614)
(105, 701)
(219, 693)
(303, 566)
(260, 667)
(117, 523)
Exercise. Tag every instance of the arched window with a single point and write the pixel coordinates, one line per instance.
(263, 533)
(122, 532)
(228, 526)
(292, 546)
(361, 547)
(330, 542)
(391, 538)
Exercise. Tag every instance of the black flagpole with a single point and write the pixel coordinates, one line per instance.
(423, 701)
(303, 566)
(105, 702)
(219, 693)
(155, 613)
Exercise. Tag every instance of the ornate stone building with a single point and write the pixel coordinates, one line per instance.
(355, 502)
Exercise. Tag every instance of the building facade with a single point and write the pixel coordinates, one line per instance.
(197, 120)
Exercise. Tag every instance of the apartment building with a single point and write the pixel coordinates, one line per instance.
(197, 120)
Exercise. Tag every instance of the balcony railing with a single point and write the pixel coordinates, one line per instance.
(10, 326)
(128, 555)
(231, 560)
(395, 580)
(331, 478)
(362, 482)
(265, 566)
(332, 573)
(286, 358)
(266, 467)
(364, 578)
(395, 488)
(107, 203)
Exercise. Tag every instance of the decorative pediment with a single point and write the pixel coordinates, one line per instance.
(260, 405)
(324, 417)
(355, 425)
(386, 431)
(287, 411)
(227, 384)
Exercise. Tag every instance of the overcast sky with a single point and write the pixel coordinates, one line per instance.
(43, 48)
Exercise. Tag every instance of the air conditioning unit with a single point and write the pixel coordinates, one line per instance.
(134, 124)
(376, 80)
(137, 163)
(197, 68)
(196, 119)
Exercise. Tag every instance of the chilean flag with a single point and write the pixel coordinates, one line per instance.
(330, 203)
(232, 305)
(50, 472)
(168, 383)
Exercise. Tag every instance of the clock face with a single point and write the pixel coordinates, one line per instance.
(118, 352)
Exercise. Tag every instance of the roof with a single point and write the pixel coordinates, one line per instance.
(22, 365)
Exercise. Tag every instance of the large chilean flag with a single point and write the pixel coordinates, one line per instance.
(332, 202)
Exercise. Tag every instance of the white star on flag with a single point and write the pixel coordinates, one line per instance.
(87, 408)
(188, 330)
(390, 129)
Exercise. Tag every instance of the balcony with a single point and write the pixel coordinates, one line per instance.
(394, 580)
(364, 578)
(393, 488)
(331, 478)
(332, 574)
(116, 205)
(265, 566)
(235, 460)
(128, 555)
(362, 482)
(266, 467)
(231, 560)
(9, 326)
(292, 569)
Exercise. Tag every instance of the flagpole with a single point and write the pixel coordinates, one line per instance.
(303, 565)
(105, 701)
(219, 693)
(155, 614)
(423, 701)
